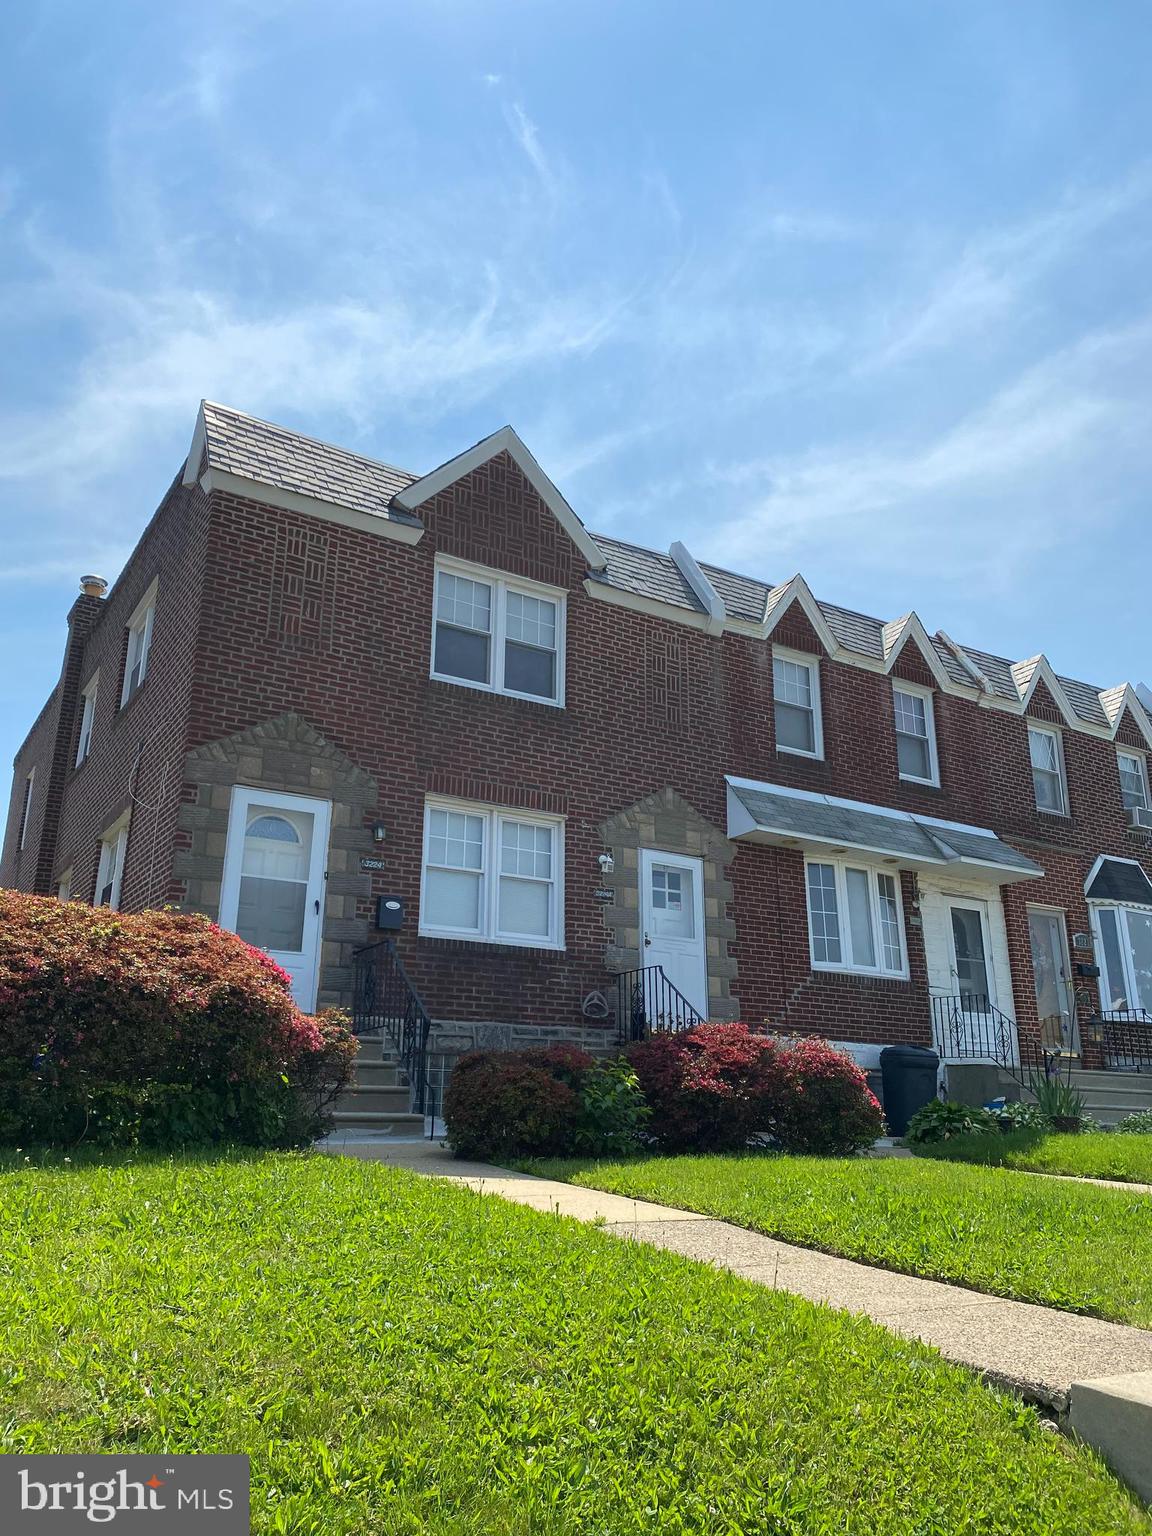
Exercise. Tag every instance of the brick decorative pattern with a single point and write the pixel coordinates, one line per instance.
(295, 654)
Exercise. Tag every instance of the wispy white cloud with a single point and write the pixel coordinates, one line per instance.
(527, 136)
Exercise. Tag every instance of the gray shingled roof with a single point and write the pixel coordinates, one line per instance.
(272, 455)
(261, 451)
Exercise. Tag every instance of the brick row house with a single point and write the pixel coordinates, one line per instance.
(329, 703)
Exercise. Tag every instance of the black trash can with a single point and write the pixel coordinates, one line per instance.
(909, 1077)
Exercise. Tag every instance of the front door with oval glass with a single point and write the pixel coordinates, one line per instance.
(672, 922)
(273, 889)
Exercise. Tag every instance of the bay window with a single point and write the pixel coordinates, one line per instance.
(498, 633)
(1125, 952)
(493, 876)
(855, 919)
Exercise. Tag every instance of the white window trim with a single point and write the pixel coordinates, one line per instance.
(64, 885)
(114, 842)
(1094, 910)
(1142, 760)
(87, 718)
(1049, 730)
(501, 583)
(26, 806)
(803, 659)
(490, 877)
(840, 866)
(916, 691)
(140, 623)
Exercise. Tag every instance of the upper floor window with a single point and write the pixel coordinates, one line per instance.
(855, 921)
(110, 873)
(1133, 780)
(139, 644)
(1048, 782)
(915, 734)
(26, 805)
(796, 695)
(87, 720)
(492, 875)
(498, 633)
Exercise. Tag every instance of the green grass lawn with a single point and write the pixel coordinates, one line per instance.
(1067, 1245)
(402, 1356)
(1089, 1157)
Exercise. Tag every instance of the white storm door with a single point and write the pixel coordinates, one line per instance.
(672, 922)
(973, 980)
(273, 889)
(1051, 970)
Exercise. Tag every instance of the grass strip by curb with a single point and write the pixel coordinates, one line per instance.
(401, 1356)
(1094, 1156)
(1080, 1248)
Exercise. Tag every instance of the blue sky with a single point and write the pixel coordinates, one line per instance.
(856, 289)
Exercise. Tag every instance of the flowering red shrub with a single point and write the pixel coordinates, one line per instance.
(500, 1105)
(710, 1088)
(188, 1033)
(822, 1102)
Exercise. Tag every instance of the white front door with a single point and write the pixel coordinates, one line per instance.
(672, 922)
(1052, 973)
(273, 889)
(973, 979)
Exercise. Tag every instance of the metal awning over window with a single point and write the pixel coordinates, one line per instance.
(797, 818)
(1121, 881)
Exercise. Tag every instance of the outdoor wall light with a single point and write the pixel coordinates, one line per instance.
(379, 831)
(607, 863)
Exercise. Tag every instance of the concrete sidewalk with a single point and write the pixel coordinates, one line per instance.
(1036, 1351)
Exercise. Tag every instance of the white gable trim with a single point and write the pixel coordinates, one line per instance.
(504, 441)
(1129, 700)
(797, 591)
(701, 586)
(1043, 670)
(914, 629)
(327, 511)
(196, 451)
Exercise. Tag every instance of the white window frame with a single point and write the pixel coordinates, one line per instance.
(26, 806)
(841, 866)
(87, 718)
(64, 885)
(489, 931)
(812, 665)
(113, 847)
(139, 650)
(1034, 728)
(1127, 965)
(1142, 768)
(915, 691)
(501, 584)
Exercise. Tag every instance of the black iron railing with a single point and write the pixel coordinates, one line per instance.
(648, 1004)
(1124, 1036)
(968, 1026)
(384, 1001)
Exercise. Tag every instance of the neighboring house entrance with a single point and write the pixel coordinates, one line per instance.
(1052, 971)
(672, 921)
(273, 888)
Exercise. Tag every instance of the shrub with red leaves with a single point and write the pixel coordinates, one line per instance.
(710, 1088)
(501, 1105)
(823, 1101)
(154, 1027)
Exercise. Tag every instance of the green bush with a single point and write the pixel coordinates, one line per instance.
(154, 1029)
(1139, 1123)
(613, 1111)
(1018, 1116)
(942, 1119)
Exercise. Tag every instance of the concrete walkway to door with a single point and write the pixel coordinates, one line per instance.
(1036, 1351)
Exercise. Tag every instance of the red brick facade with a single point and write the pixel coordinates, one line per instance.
(264, 612)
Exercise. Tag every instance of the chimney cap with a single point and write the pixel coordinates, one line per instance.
(93, 586)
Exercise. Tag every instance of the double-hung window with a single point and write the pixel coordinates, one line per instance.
(498, 633)
(855, 920)
(915, 734)
(110, 873)
(87, 720)
(1125, 957)
(494, 876)
(1133, 780)
(796, 697)
(1047, 754)
(139, 644)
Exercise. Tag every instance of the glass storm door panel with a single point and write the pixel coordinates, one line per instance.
(970, 956)
(273, 888)
(1050, 969)
(672, 922)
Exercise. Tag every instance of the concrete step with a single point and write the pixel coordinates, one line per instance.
(376, 1074)
(1110, 1096)
(391, 1101)
(368, 1120)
